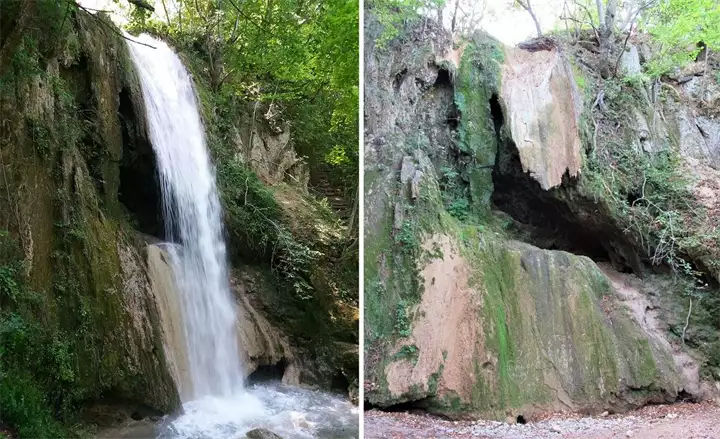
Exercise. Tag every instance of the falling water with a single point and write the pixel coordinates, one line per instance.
(214, 401)
(192, 216)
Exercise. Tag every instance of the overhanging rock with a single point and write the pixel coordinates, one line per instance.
(542, 105)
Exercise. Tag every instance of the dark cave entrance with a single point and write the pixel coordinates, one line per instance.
(267, 372)
(139, 183)
(417, 407)
(443, 79)
(339, 383)
(554, 219)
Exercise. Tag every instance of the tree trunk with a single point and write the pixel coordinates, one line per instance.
(454, 19)
(528, 7)
(607, 24)
(25, 14)
(610, 13)
(601, 13)
(354, 215)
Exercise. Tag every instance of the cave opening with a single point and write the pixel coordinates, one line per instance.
(443, 79)
(497, 115)
(417, 407)
(139, 183)
(267, 372)
(554, 219)
(399, 79)
(339, 383)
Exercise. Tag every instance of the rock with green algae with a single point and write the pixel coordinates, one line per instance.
(87, 282)
(504, 328)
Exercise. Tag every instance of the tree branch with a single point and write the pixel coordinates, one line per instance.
(112, 29)
(239, 11)
(687, 321)
(142, 4)
(528, 7)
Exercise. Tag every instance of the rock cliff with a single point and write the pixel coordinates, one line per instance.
(497, 280)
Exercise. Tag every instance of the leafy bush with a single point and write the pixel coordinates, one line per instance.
(35, 368)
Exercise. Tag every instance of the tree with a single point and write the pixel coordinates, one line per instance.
(680, 25)
(467, 15)
(528, 7)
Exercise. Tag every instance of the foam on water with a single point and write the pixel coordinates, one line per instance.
(291, 412)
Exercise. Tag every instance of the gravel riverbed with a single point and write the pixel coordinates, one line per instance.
(675, 421)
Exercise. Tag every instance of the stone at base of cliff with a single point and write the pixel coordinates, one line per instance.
(261, 433)
(505, 329)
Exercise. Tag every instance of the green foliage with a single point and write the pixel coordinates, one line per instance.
(407, 237)
(679, 25)
(394, 15)
(648, 193)
(24, 406)
(298, 59)
(295, 260)
(24, 64)
(455, 193)
(402, 321)
(9, 287)
(35, 367)
(407, 352)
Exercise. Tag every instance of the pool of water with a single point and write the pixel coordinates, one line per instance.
(291, 412)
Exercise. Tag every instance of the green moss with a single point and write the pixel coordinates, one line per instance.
(407, 352)
(432, 384)
(477, 80)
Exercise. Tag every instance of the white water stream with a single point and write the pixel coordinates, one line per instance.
(192, 216)
(215, 403)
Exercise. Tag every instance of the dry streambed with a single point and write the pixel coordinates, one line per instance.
(676, 421)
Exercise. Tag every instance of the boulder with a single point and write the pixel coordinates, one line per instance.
(542, 107)
(512, 329)
(261, 433)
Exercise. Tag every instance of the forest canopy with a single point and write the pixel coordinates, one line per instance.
(299, 57)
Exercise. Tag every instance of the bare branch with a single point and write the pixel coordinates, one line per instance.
(687, 321)
(528, 7)
(142, 4)
(112, 28)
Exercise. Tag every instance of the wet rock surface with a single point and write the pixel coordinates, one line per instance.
(261, 433)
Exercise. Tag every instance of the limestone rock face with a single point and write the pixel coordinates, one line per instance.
(61, 153)
(167, 298)
(264, 142)
(542, 107)
(463, 319)
(271, 156)
(261, 343)
(513, 329)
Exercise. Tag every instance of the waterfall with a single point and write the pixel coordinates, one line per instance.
(192, 216)
(189, 277)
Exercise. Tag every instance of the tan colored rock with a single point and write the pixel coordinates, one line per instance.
(512, 329)
(270, 154)
(260, 342)
(542, 107)
(165, 291)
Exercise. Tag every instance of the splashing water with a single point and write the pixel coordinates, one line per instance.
(214, 401)
(288, 411)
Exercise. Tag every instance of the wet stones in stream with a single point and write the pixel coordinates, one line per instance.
(261, 433)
